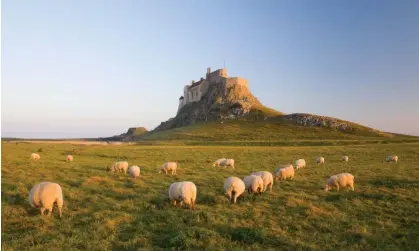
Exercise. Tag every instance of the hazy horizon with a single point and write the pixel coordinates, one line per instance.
(84, 69)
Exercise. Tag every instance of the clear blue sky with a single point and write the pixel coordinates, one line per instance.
(94, 68)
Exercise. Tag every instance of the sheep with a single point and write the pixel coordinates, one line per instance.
(134, 171)
(69, 158)
(393, 158)
(44, 195)
(267, 179)
(320, 160)
(340, 180)
(253, 184)
(184, 191)
(168, 166)
(300, 163)
(119, 166)
(344, 158)
(35, 156)
(284, 173)
(224, 162)
(234, 187)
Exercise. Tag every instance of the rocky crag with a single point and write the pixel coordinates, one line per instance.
(221, 101)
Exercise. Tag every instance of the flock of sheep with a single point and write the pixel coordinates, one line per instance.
(43, 195)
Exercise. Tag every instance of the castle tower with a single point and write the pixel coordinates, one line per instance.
(208, 72)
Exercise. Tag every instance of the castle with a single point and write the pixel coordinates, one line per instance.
(196, 90)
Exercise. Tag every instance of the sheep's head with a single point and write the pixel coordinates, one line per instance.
(327, 188)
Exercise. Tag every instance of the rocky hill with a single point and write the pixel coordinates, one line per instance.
(247, 118)
(130, 135)
(221, 101)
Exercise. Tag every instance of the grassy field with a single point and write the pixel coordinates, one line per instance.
(105, 211)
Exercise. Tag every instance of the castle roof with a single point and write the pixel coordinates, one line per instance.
(181, 97)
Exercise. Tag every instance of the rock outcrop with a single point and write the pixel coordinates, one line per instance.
(305, 119)
(128, 136)
(221, 101)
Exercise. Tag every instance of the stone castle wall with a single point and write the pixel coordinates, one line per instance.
(195, 93)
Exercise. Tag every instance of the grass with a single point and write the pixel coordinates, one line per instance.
(269, 132)
(105, 211)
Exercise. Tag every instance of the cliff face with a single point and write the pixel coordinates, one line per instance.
(222, 100)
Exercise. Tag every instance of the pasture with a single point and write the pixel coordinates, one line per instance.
(106, 211)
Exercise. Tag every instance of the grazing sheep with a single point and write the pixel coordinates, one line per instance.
(393, 158)
(344, 158)
(169, 166)
(234, 187)
(340, 180)
(320, 160)
(224, 162)
(35, 156)
(267, 179)
(44, 195)
(119, 166)
(253, 184)
(284, 173)
(184, 191)
(300, 163)
(134, 171)
(69, 158)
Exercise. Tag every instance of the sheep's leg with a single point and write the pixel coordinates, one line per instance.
(270, 188)
(174, 202)
(60, 211)
(165, 171)
(42, 210)
(192, 204)
(235, 198)
(352, 186)
(181, 203)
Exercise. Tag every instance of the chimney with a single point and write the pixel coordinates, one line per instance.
(208, 70)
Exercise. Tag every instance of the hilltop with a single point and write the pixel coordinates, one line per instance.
(222, 108)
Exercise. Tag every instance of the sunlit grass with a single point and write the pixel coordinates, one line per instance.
(105, 211)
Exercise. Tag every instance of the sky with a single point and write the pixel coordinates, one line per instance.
(95, 68)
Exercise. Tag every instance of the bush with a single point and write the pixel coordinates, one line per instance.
(40, 150)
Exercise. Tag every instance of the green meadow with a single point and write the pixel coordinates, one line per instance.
(107, 211)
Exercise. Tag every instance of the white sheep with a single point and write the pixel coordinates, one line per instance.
(119, 166)
(168, 166)
(320, 160)
(35, 156)
(44, 195)
(69, 158)
(300, 163)
(344, 158)
(134, 171)
(267, 178)
(234, 187)
(393, 158)
(284, 172)
(184, 191)
(253, 184)
(224, 162)
(340, 180)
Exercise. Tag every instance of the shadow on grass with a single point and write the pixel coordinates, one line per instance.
(395, 183)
